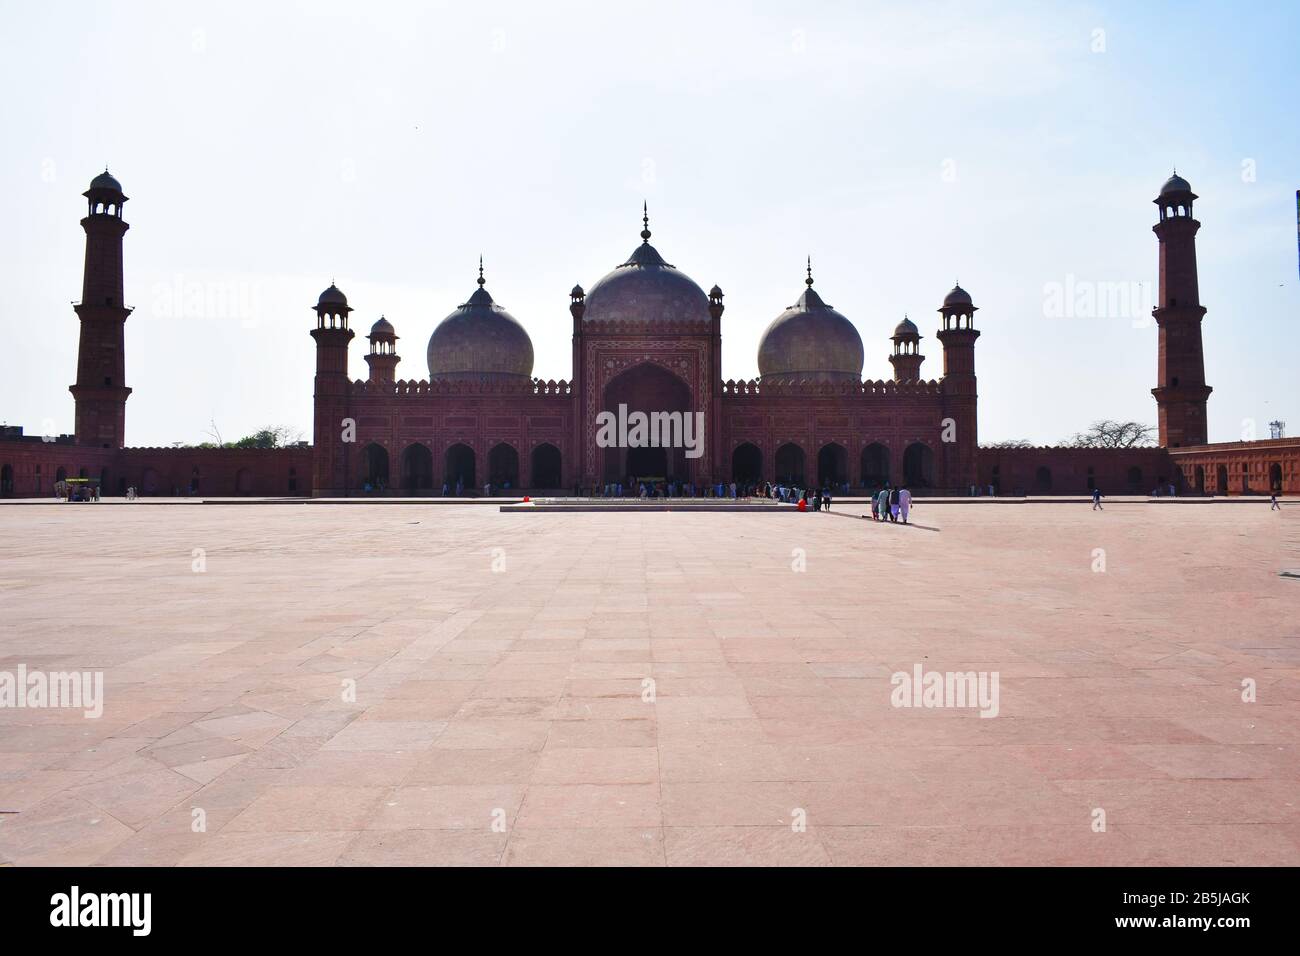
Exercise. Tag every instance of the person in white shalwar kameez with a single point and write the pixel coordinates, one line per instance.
(904, 503)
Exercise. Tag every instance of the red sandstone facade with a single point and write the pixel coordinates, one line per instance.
(648, 338)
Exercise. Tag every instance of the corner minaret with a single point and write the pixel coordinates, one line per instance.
(100, 392)
(958, 429)
(1180, 391)
(333, 439)
(907, 357)
(383, 357)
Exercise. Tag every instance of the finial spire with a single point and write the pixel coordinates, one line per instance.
(481, 280)
(809, 281)
(645, 221)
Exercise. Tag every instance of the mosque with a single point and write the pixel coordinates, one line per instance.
(646, 337)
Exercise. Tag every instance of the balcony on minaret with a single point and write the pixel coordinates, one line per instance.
(332, 334)
(907, 357)
(383, 357)
(958, 335)
(1175, 199)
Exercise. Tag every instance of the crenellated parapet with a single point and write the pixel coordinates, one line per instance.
(464, 386)
(768, 386)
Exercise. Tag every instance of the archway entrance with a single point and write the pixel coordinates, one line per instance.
(747, 463)
(375, 461)
(789, 464)
(7, 480)
(546, 466)
(875, 466)
(503, 466)
(243, 482)
(832, 466)
(1200, 479)
(667, 402)
(417, 468)
(918, 466)
(1275, 477)
(458, 466)
(1221, 479)
(1043, 480)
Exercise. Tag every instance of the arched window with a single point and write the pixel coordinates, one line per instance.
(918, 465)
(503, 466)
(458, 466)
(546, 466)
(832, 465)
(789, 463)
(417, 468)
(747, 463)
(875, 465)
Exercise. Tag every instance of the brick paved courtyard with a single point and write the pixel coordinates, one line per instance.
(420, 684)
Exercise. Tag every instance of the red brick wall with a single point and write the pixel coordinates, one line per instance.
(30, 468)
(1116, 471)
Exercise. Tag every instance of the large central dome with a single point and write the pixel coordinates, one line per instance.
(645, 288)
(480, 340)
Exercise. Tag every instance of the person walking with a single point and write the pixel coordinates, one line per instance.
(893, 504)
(875, 507)
(1096, 500)
(1272, 503)
(883, 499)
(904, 503)
(826, 500)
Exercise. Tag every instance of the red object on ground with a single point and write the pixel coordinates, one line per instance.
(526, 499)
(803, 504)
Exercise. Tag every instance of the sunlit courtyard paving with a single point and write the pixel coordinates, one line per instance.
(447, 684)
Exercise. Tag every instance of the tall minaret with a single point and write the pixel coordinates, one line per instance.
(959, 437)
(1180, 389)
(332, 441)
(100, 393)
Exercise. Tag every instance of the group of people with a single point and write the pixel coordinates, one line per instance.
(76, 491)
(891, 504)
(815, 499)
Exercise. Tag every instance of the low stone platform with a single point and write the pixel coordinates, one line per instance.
(643, 505)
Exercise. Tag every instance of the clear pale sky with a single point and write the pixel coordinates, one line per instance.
(268, 148)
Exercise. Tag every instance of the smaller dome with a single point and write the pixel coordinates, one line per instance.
(906, 327)
(332, 296)
(480, 340)
(383, 329)
(958, 296)
(105, 180)
(715, 293)
(576, 292)
(810, 340)
(1175, 184)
